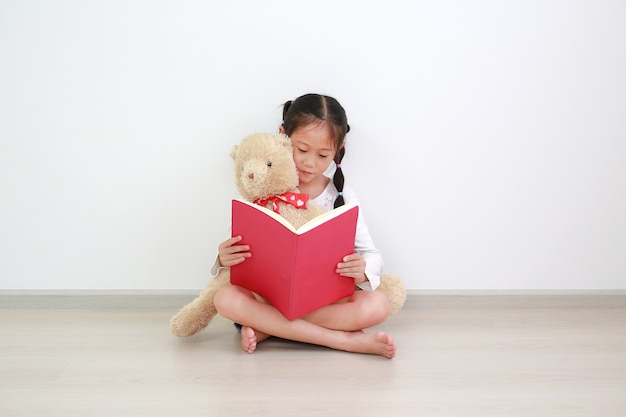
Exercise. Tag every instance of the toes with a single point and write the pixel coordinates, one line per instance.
(248, 339)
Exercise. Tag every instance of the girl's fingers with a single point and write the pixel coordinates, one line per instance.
(232, 254)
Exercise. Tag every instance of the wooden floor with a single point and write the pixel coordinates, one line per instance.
(451, 362)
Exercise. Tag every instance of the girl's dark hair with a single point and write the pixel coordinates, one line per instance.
(316, 108)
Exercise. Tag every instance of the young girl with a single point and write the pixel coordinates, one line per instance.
(317, 126)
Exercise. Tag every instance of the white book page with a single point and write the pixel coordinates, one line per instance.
(311, 224)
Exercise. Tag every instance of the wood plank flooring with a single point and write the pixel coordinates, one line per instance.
(451, 362)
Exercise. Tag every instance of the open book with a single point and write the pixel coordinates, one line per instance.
(294, 269)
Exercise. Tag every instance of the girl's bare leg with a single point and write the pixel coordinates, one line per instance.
(362, 310)
(260, 319)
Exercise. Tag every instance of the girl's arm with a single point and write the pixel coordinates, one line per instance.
(364, 246)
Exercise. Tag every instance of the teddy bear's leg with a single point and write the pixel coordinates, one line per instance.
(197, 315)
(393, 287)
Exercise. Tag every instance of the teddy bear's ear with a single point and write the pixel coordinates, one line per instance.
(284, 140)
(233, 153)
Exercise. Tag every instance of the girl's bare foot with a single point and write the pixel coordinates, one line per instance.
(387, 343)
(378, 343)
(250, 338)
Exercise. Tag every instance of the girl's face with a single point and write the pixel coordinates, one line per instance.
(313, 151)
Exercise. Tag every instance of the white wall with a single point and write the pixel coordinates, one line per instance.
(488, 144)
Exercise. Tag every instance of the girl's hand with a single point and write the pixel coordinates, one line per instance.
(353, 266)
(230, 253)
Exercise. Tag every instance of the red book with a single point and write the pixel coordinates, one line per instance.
(294, 269)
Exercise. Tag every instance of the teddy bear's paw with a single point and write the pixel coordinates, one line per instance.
(393, 287)
(189, 321)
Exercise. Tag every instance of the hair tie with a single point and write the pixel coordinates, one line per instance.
(338, 165)
(340, 193)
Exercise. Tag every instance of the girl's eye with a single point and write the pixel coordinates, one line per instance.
(302, 150)
(323, 156)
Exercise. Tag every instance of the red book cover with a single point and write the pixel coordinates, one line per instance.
(294, 269)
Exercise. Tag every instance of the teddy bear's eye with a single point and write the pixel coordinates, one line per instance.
(268, 163)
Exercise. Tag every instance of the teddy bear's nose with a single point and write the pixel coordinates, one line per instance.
(251, 175)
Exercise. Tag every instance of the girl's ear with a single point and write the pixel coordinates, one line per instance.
(281, 129)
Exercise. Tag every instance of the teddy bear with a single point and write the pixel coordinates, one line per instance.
(265, 173)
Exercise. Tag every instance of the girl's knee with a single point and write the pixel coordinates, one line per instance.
(374, 308)
(381, 307)
(230, 300)
(226, 299)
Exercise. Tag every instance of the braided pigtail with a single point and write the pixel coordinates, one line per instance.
(338, 178)
(286, 107)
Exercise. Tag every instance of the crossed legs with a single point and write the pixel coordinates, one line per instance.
(337, 326)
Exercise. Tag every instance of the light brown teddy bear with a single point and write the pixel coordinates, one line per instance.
(264, 168)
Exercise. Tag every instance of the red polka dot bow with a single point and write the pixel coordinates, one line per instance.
(295, 199)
